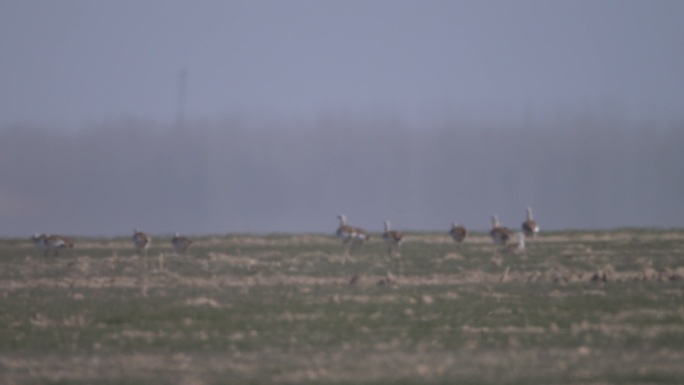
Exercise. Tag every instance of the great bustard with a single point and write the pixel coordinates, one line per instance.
(530, 227)
(48, 243)
(500, 235)
(38, 240)
(141, 241)
(392, 238)
(350, 234)
(180, 243)
(458, 232)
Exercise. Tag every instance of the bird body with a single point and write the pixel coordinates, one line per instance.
(530, 228)
(349, 233)
(38, 240)
(392, 238)
(53, 243)
(180, 243)
(500, 235)
(458, 232)
(141, 241)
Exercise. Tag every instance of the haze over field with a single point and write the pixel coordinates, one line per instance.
(269, 116)
(233, 177)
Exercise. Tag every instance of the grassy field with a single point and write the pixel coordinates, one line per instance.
(577, 308)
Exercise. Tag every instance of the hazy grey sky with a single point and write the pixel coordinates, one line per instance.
(71, 63)
(420, 112)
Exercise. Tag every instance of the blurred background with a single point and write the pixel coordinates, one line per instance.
(275, 116)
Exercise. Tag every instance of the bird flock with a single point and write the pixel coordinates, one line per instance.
(350, 236)
(141, 242)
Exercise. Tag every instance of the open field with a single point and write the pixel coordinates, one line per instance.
(577, 308)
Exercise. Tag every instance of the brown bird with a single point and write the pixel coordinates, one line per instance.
(458, 232)
(141, 241)
(350, 234)
(500, 235)
(180, 243)
(38, 240)
(530, 228)
(392, 238)
(49, 243)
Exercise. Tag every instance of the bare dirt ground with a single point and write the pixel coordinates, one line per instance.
(575, 308)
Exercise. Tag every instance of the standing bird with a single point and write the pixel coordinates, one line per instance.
(391, 238)
(500, 235)
(141, 241)
(458, 232)
(344, 231)
(518, 247)
(38, 240)
(180, 244)
(53, 243)
(350, 235)
(530, 228)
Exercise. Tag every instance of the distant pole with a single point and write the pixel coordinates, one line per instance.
(182, 79)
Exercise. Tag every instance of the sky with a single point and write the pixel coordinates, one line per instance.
(72, 63)
(275, 116)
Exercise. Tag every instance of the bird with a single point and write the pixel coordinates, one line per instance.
(141, 241)
(180, 243)
(48, 243)
(344, 231)
(458, 232)
(518, 247)
(500, 235)
(530, 228)
(56, 242)
(392, 238)
(349, 233)
(38, 240)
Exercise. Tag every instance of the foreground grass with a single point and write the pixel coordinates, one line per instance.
(579, 307)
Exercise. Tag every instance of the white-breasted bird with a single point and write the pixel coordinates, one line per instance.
(500, 235)
(350, 233)
(53, 243)
(180, 243)
(530, 227)
(141, 241)
(392, 238)
(458, 232)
